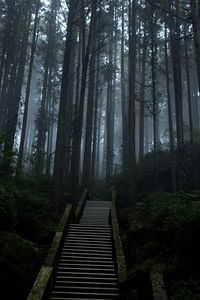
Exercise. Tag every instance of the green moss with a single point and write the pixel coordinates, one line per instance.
(40, 284)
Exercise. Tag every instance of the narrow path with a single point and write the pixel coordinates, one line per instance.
(86, 268)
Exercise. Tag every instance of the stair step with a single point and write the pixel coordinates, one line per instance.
(69, 265)
(87, 261)
(66, 298)
(75, 272)
(87, 254)
(91, 231)
(88, 237)
(86, 288)
(84, 269)
(89, 226)
(80, 258)
(87, 241)
(89, 234)
(85, 282)
(90, 242)
(88, 294)
(90, 277)
(87, 246)
(70, 249)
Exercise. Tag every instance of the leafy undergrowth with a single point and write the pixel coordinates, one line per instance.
(163, 231)
(27, 228)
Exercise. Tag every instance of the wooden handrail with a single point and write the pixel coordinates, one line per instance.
(120, 259)
(60, 232)
(42, 283)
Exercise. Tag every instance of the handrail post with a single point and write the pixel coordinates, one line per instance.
(119, 253)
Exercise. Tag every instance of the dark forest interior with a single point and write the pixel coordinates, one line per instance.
(102, 95)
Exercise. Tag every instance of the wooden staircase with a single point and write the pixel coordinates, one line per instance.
(85, 268)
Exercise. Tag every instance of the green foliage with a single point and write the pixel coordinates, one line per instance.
(25, 206)
(8, 213)
(27, 228)
(163, 231)
(20, 261)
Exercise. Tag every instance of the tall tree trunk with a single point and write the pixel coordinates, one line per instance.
(70, 106)
(142, 97)
(60, 145)
(188, 87)
(123, 102)
(174, 26)
(11, 66)
(170, 121)
(195, 9)
(110, 100)
(42, 120)
(97, 173)
(16, 87)
(132, 68)
(154, 96)
(89, 120)
(78, 135)
(94, 148)
(28, 86)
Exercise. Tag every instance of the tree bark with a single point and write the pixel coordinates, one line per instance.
(78, 134)
(170, 121)
(195, 9)
(123, 102)
(132, 68)
(28, 86)
(142, 97)
(58, 164)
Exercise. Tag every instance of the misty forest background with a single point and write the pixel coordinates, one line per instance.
(100, 94)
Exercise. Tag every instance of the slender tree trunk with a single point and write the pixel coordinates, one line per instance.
(10, 71)
(132, 68)
(123, 102)
(23, 133)
(174, 26)
(195, 9)
(69, 113)
(110, 101)
(94, 148)
(170, 121)
(154, 96)
(89, 121)
(16, 88)
(78, 135)
(188, 88)
(142, 97)
(97, 173)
